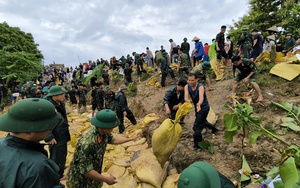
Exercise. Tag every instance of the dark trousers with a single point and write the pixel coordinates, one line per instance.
(164, 76)
(199, 124)
(129, 116)
(58, 154)
(181, 70)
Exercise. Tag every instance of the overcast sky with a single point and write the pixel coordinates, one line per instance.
(73, 31)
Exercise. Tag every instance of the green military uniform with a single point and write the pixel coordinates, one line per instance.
(158, 57)
(184, 64)
(245, 42)
(82, 98)
(290, 43)
(246, 67)
(110, 99)
(185, 46)
(127, 74)
(98, 96)
(25, 163)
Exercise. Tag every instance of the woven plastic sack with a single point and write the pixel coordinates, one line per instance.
(166, 136)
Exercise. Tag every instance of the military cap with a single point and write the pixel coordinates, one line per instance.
(107, 87)
(106, 119)
(206, 65)
(56, 90)
(123, 87)
(33, 89)
(30, 115)
(199, 175)
(289, 34)
(245, 28)
(184, 39)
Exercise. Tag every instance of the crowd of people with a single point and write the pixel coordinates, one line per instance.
(42, 114)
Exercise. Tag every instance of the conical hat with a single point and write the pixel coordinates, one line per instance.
(273, 28)
(272, 37)
(195, 38)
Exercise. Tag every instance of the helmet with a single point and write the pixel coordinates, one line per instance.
(56, 90)
(199, 175)
(106, 119)
(30, 115)
(245, 28)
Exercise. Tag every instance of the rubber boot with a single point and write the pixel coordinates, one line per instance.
(197, 139)
(211, 127)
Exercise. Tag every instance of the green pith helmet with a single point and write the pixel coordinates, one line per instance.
(107, 88)
(56, 90)
(185, 39)
(123, 87)
(206, 65)
(106, 119)
(245, 28)
(30, 115)
(165, 54)
(199, 175)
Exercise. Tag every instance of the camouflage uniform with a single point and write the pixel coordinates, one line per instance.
(88, 156)
(110, 99)
(184, 64)
(245, 42)
(98, 99)
(82, 99)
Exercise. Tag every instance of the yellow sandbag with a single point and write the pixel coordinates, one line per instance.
(152, 81)
(152, 173)
(124, 161)
(174, 66)
(141, 157)
(150, 117)
(134, 143)
(286, 71)
(212, 117)
(137, 147)
(125, 181)
(116, 171)
(157, 85)
(73, 140)
(279, 57)
(166, 136)
(171, 181)
(81, 120)
(106, 165)
(147, 185)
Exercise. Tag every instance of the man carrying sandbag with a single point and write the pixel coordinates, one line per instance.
(86, 166)
(174, 98)
(198, 97)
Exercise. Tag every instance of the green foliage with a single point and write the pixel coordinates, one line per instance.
(97, 71)
(292, 120)
(264, 14)
(20, 58)
(207, 145)
(288, 173)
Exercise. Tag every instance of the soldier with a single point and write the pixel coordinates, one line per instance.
(245, 42)
(110, 99)
(123, 110)
(165, 69)
(24, 161)
(247, 73)
(174, 98)
(201, 74)
(183, 63)
(98, 98)
(185, 46)
(86, 166)
(34, 92)
(127, 74)
(105, 77)
(81, 98)
(60, 134)
(290, 41)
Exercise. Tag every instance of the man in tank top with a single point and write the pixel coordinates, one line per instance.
(194, 93)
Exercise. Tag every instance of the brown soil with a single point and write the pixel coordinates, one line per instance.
(261, 156)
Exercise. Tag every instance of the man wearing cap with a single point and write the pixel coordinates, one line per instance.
(24, 161)
(139, 66)
(86, 166)
(201, 73)
(198, 51)
(110, 99)
(123, 110)
(60, 135)
(290, 41)
(81, 98)
(127, 74)
(185, 46)
(183, 63)
(245, 42)
(220, 46)
(98, 98)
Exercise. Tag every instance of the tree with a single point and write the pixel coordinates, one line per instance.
(267, 13)
(20, 57)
